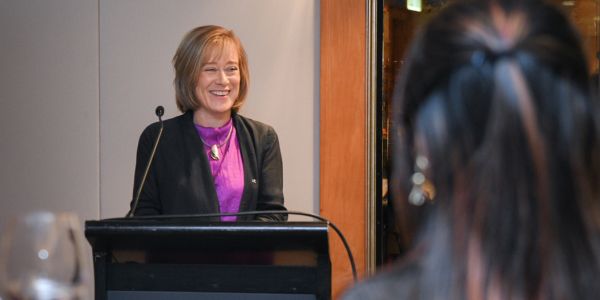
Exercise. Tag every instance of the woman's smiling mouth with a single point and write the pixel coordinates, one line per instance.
(220, 92)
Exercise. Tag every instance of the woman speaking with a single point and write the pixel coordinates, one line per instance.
(210, 159)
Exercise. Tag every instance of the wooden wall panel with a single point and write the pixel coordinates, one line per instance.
(343, 131)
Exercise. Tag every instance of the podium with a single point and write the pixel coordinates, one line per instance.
(187, 258)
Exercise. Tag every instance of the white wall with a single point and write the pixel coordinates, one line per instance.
(49, 123)
(137, 41)
(79, 80)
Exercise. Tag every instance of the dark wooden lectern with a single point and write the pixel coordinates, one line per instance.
(186, 258)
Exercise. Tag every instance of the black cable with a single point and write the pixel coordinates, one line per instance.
(264, 212)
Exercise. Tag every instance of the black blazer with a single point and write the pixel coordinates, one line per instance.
(180, 182)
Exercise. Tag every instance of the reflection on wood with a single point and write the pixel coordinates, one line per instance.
(585, 16)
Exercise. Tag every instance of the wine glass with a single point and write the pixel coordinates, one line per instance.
(42, 258)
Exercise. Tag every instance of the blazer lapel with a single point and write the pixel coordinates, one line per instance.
(250, 166)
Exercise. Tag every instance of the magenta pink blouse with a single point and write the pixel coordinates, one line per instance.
(228, 171)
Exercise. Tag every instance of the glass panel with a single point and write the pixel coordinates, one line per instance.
(398, 28)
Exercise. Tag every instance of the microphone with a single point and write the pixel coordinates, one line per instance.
(159, 113)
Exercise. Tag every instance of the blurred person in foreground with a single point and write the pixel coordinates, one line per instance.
(211, 159)
(496, 131)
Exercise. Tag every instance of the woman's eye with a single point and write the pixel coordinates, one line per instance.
(232, 68)
(210, 69)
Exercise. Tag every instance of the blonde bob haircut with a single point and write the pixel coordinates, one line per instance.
(199, 46)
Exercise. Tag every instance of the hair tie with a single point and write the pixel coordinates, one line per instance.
(480, 57)
(502, 54)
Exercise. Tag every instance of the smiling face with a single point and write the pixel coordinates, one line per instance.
(218, 86)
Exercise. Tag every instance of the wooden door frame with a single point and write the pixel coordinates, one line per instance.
(347, 132)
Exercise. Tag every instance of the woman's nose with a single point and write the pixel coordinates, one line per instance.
(222, 77)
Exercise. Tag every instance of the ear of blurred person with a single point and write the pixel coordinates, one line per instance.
(495, 97)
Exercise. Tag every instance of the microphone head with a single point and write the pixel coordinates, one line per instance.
(160, 111)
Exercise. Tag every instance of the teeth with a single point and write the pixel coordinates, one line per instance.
(219, 93)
